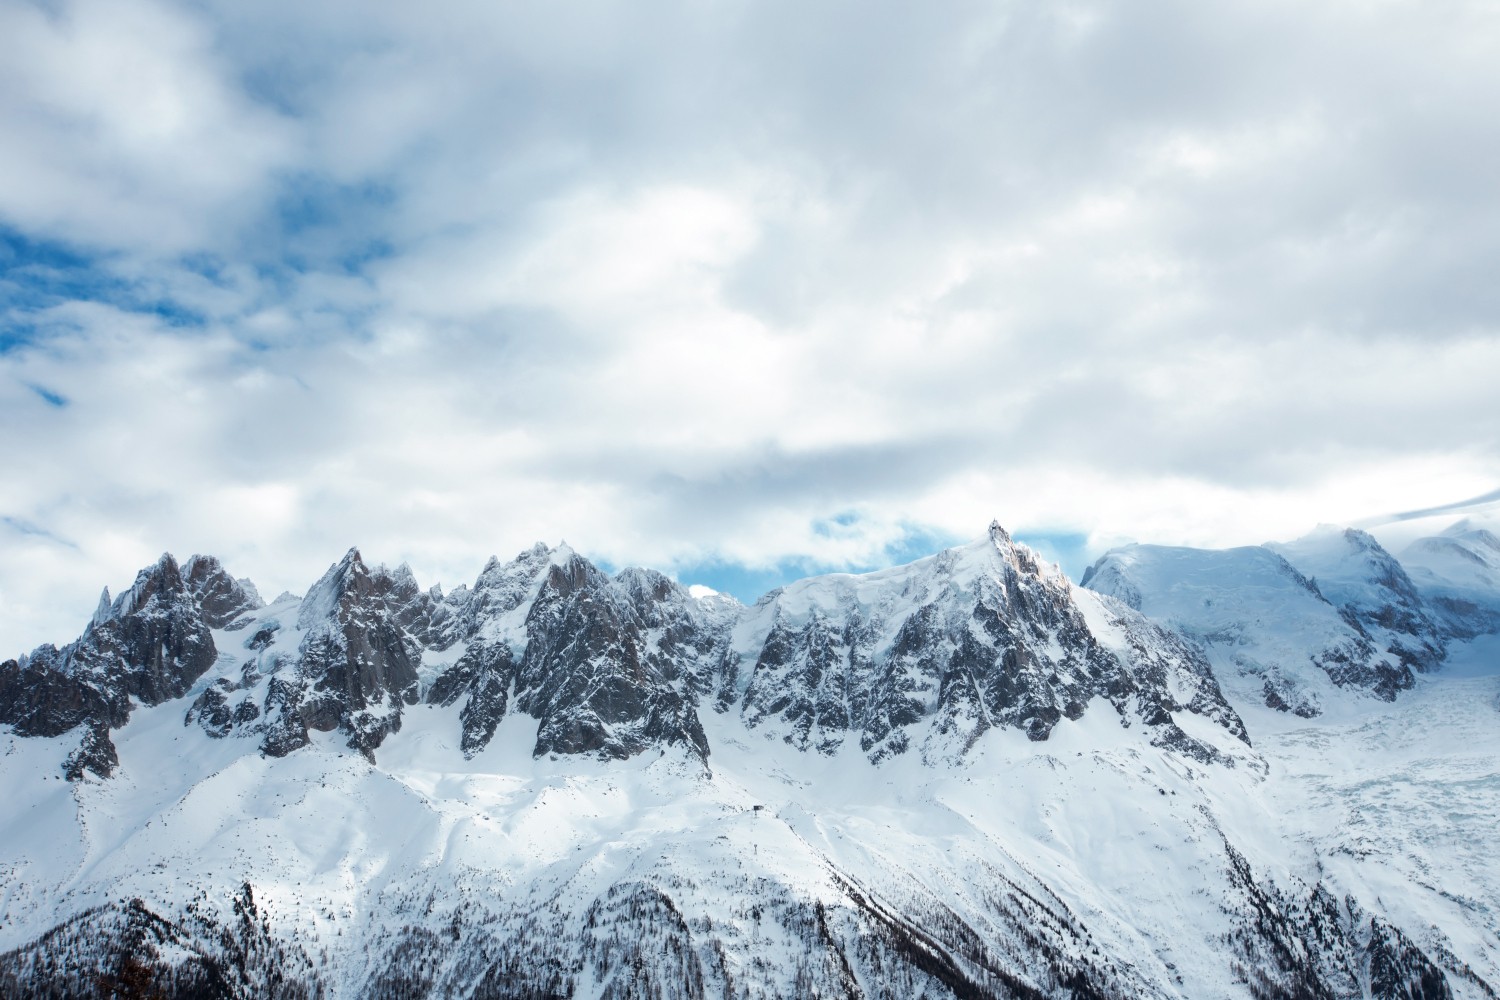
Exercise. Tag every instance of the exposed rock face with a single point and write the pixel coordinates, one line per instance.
(357, 664)
(491, 619)
(941, 650)
(589, 674)
(96, 753)
(41, 695)
(155, 641)
(605, 666)
(934, 654)
(150, 644)
(970, 639)
(221, 599)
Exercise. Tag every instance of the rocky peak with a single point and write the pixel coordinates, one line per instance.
(357, 661)
(160, 582)
(220, 597)
(646, 587)
(588, 675)
(404, 583)
(348, 575)
(568, 572)
(503, 587)
(604, 665)
(943, 649)
(104, 611)
(150, 646)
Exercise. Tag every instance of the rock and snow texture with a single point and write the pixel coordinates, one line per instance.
(1458, 573)
(149, 645)
(929, 655)
(962, 777)
(950, 646)
(1270, 632)
(1371, 589)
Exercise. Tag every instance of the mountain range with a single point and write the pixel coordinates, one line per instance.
(1269, 771)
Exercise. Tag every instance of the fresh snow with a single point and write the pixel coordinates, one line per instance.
(1392, 804)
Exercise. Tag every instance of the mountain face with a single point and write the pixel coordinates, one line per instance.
(1296, 622)
(151, 644)
(1270, 631)
(951, 646)
(1458, 575)
(1372, 591)
(961, 777)
(930, 656)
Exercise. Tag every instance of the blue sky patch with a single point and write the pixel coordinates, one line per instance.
(325, 224)
(48, 396)
(749, 584)
(1069, 549)
(38, 274)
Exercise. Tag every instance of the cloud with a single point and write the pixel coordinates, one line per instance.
(122, 128)
(1484, 502)
(740, 290)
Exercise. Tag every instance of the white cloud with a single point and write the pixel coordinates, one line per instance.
(122, 129)
(753, 283)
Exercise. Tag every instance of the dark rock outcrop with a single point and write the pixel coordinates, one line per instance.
(95, 753)
(357, 664)
(151, 644)
(971, 639)
(937, 652)
(600, 666)
(222, 600)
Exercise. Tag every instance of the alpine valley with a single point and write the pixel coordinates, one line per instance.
(1268, 772)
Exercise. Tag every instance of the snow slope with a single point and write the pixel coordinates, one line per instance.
(1273, 638)
(1458, 573)
(1372, 590)
(1076, 811)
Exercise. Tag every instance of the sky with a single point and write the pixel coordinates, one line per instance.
(736, 291)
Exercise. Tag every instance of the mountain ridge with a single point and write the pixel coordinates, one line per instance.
(982, 635)
(962, 777)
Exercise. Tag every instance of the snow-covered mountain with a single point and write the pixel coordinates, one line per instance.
(960, 777)
(1372, 591)
(1271, 635)
(1458, 574)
